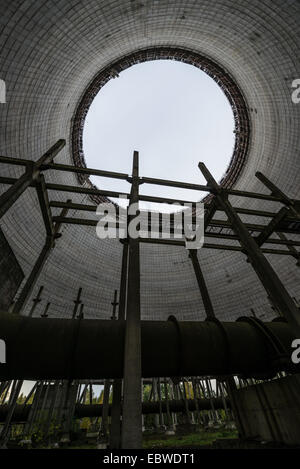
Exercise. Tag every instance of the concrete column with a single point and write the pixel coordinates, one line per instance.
(161, 417)
(116, 410)
(103, 434)
(132, 408)
(154, 392)
(170, 424)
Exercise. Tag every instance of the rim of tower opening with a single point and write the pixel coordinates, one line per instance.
(215, 71)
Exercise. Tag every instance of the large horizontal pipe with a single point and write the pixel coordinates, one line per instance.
(95, 410)
(21, 412)
(38, 348)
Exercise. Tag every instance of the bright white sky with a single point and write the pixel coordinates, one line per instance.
(173, 114)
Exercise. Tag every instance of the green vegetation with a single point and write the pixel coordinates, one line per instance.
(194, 440)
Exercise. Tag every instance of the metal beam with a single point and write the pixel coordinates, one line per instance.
(8, 198)
(269, 279)
(44, 204)
(271, 227)
(222, 247)
(37, 268)
(220, 223)
(275, 191)
(93, 208)
(202, 285)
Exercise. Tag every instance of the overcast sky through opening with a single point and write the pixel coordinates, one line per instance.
(173, 114)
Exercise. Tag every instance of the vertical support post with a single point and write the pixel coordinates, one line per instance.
(231, 391)
(196, 400)
(56, 387)
(186, 404)
(103, 436)
(15, 391)
(36, 301)
(263, 269)
(161, 417)
(123, 283)
(77, 302)
(33, 410)
(45, 313)
(170, 425)
(154, 393)
(81, 313)
(114, 305)
(132, 408)
(116, 408)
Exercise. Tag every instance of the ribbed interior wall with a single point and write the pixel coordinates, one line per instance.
(51, 51)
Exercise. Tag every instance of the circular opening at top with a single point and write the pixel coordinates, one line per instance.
(174, 112)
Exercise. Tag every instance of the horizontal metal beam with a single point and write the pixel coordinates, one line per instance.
(222, 247)
(220, 223)
(88, 171)
(103, 193)
(251, 195)
(182, 185)
(93, 208)
(174, 242)
(229, 237)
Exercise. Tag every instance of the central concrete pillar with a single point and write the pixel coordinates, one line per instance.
(132, 408)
